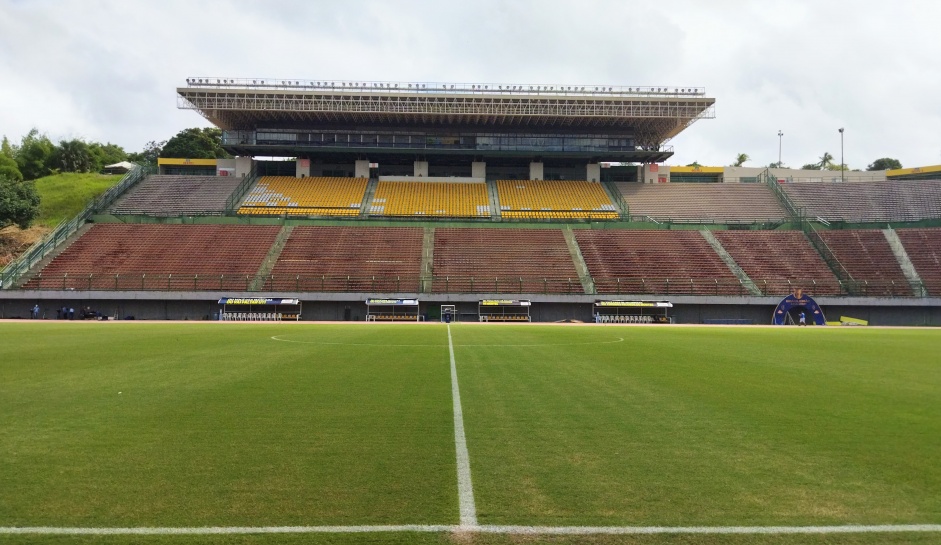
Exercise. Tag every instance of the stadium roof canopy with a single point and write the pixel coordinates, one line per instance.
(649, 115)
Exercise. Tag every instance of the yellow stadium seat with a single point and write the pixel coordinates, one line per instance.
(554, 199)
(433, 199)
(315, 196)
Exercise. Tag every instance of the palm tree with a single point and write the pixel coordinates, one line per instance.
(740, 159)
(826, 161)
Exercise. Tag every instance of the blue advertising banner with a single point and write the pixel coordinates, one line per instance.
(257, 301)
(798, 300)
(392, 302)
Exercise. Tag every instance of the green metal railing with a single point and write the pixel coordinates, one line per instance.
(793, 210)
(231, 203)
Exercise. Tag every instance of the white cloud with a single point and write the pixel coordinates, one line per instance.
(108, 69)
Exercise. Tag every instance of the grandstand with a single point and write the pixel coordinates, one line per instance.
(779, 262)
(868, 258)
(655, 262)
(431, 199)
(116, 256)
(286, 195)
(728, 203)
(923, 247)
(165, 195)
(862, 202)
(457, 194)
(503, 261)
(349, 259)
(554, 199)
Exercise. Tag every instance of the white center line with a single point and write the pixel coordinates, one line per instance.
(465, 489)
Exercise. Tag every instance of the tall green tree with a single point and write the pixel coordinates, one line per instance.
(740, 159)
(149, 155)
(73, 156)
(9, 168)
(826, 161)
(694, 164)
(886, 163)
(195, 143)
(19, 202)
(106, 154)
(7, 149)
(35, 155)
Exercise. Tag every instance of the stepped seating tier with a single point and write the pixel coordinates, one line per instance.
(655, 262)
(503, 261)
(904, 200)
(117, 256)
(779, 262)
(867, 256)
(163, 195)
(704, 203)
(924, 250)
(431, 199)
(350, 259)
(315, 196)
(554, 199)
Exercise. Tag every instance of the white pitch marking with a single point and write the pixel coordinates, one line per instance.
(489, 529)
(586, 530)
(465, 488)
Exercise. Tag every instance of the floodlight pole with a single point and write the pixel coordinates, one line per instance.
(842, 164)
(780, 134)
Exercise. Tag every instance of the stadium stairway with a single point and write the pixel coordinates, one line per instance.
(615, 195)
(730, 261)
(427, 259)
(905, 262)
(267, 264)
(580, 266)
(494, 200)
(371, 186)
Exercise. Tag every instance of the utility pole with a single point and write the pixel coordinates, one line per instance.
(842, 164)
(780, 134)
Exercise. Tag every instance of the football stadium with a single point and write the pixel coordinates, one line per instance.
(416, 312)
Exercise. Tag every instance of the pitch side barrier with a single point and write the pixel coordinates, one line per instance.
(392, 310)
(632, 312)
(453, 285)
(259, 309)
(504, 310)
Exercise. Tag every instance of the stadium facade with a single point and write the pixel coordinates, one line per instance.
(497, 202)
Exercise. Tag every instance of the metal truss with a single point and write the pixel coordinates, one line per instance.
(656, 119)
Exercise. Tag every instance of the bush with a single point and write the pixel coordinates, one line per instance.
(19, 202)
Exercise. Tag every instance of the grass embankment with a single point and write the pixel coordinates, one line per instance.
(65, 195)
(62, 197)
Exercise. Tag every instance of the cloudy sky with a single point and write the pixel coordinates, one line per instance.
(107, 70)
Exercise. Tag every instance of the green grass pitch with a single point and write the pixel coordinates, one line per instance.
(173, 425)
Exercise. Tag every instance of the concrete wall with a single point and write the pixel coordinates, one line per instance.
(479, 169)
(361, 169)
(302, 170)
(195, 309)
(421, 169)
(535, 171)
(243, 166)
(593, 172)
(225, 165)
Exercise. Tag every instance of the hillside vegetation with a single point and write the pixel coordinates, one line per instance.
(62, 197)
(65, 195)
